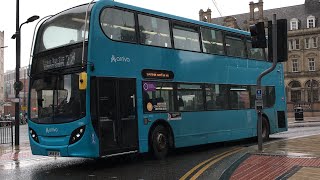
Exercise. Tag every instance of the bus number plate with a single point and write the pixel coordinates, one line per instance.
(54, 153)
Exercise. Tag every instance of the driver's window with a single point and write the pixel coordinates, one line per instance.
(46, 98)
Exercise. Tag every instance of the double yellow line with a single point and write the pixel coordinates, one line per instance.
(209, 162)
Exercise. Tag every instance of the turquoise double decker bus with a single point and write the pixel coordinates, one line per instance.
(110, 79)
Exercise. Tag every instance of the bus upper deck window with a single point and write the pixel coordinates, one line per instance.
(212, 41)
(154, 31)
(118, 25)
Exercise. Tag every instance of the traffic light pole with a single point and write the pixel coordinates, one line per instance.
(259, 101)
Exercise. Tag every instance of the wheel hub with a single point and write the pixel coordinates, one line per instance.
(161, 141)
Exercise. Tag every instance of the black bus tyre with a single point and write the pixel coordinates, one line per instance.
(265, 129)
(160, 142)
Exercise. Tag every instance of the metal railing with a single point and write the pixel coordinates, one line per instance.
(6, 132)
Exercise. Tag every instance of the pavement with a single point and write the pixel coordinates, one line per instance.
(9, 153)
(297, 158)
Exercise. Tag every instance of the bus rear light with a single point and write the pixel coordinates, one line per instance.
(76, 135)
(33, 135)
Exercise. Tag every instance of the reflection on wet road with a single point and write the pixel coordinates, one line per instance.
(125, 167)
(303, 147)
(196, 162)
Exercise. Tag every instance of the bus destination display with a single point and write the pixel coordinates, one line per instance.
(157, 74)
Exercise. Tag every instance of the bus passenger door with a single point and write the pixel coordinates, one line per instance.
(107, 115)
(118, 130)
(128, 116)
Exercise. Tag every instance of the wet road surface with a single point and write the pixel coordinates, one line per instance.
(125, 167)
(200, 162)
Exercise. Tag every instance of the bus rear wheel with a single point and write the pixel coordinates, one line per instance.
(160, 142)
(265, 129)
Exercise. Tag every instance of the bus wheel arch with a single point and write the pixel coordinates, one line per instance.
(160, 128)
(265, 127)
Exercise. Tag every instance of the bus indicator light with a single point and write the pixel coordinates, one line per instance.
(83, 81)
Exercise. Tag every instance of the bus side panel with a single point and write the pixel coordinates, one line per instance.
(142, 129)
(196, 128)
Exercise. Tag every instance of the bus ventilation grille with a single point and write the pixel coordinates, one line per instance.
(281, 119)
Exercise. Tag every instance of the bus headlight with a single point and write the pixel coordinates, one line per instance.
(76, 135)
(34, 135)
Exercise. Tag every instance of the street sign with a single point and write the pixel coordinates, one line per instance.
(7, 104)
(259, 103)
(15, 100)
(259, 94)
(18, 85)
(23, 108)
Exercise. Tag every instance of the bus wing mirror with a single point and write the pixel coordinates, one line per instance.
(83, 81)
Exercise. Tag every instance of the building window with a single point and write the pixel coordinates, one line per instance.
(311, 22)
(311, 42)
(311, 64)
(314, 42)
(295, 65)
(297, 43)
(307, 43)
(295, 90)
(312, 90)
(294, 44)
(293, 24)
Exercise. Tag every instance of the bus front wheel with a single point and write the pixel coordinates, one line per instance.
(160, 142)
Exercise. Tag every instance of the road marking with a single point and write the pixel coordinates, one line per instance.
(217, 157)
(214, 161)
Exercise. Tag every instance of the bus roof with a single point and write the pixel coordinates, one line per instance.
(201, 23)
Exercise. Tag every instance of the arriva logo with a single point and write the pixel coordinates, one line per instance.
(51, 130)
(116, 59)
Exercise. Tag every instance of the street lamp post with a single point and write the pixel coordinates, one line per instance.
(18, 84)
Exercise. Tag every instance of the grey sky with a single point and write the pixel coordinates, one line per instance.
(184, 8)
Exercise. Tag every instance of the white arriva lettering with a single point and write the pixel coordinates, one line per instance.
(115, 59)
(50, 130)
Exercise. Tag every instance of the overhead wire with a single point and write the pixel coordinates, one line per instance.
(216, 6)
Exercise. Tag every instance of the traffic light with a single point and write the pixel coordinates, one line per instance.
(282, 41)
(258, 35)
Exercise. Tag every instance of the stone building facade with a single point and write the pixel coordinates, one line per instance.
(9, 95)
(302, 70)
(1, 71)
